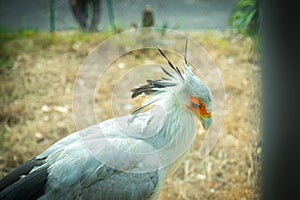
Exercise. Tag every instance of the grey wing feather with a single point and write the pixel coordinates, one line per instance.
(124, 185)
(93, 179)
(69, 171)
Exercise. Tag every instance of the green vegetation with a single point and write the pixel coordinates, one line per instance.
(245, 19)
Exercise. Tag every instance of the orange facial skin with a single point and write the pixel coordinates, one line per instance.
(197, 107)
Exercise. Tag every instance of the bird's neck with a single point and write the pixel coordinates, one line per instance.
(179, 120)
(178, 131)
(178, 123)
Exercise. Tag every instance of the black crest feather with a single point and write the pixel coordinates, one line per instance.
(153, 86)
(170, 63)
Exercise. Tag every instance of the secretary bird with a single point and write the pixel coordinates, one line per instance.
(105, 161)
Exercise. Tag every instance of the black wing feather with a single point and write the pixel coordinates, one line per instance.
(15, 175)
(20, 185)
(30, 187)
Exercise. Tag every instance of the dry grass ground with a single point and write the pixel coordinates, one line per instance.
(37, 75)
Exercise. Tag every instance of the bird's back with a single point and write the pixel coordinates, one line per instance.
(69, 170)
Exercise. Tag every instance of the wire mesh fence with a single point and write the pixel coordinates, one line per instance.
(181, 15)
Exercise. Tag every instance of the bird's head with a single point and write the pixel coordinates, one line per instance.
(194, 95)
(200, 98)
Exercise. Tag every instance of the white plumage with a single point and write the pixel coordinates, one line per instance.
(122, 158)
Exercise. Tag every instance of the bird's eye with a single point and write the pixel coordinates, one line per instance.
(195, 105)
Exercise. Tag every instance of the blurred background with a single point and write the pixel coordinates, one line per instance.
(183, 15)
(43, 43)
